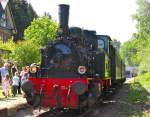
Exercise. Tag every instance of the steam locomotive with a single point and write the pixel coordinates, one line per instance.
(75, 69)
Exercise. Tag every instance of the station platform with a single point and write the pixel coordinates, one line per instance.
(10, 105)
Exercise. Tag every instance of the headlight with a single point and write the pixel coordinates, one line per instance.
(79, 88)
(81, 69)
(33, 68)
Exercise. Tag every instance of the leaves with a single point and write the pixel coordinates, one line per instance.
(25, 52)
(37, 34)
(136, 50)
(142, 16)
(41, 30)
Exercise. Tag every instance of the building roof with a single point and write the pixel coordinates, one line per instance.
(7, 20)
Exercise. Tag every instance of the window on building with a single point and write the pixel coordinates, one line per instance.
(3, 20)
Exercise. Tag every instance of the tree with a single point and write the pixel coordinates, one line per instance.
(136, 50)
(142, 16)
(41, 30)
(132, 51)
(24, 52)
(144, 66)
(23, 14)
(37, 34)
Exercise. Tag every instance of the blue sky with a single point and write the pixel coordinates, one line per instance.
(109, 17)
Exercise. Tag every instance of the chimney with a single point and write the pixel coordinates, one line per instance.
(63, 19)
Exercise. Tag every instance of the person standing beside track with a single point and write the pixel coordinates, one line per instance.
(15, 83)
(22, 73)
(4, 71)
(14, 69)
(6, 85)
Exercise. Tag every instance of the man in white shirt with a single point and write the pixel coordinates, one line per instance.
(15, 83)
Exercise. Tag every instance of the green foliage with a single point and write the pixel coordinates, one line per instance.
(136, 50)
(144, 80)
(142, 16)
(37, 34)
(129, 52)
(8, 46)
(144, 64)
(139, 91)
(23, 14)
(24, 52)
(41, 30)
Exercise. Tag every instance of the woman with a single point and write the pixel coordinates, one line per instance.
(6, 85)
(4, 71)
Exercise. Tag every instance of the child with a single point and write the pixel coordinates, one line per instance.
(15, 83)
(6, 85)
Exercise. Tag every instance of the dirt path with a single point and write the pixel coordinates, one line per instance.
(118, 107)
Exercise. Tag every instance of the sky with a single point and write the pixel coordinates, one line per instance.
(107, 17)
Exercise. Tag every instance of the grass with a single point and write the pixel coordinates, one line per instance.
(139, 90)
(138, 97)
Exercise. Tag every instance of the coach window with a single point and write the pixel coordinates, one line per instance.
(101, 44)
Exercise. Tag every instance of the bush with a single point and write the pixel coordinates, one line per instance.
(24, 52)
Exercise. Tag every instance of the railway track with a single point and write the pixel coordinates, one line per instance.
(69, 113)
(60, 113)
(75, 113)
